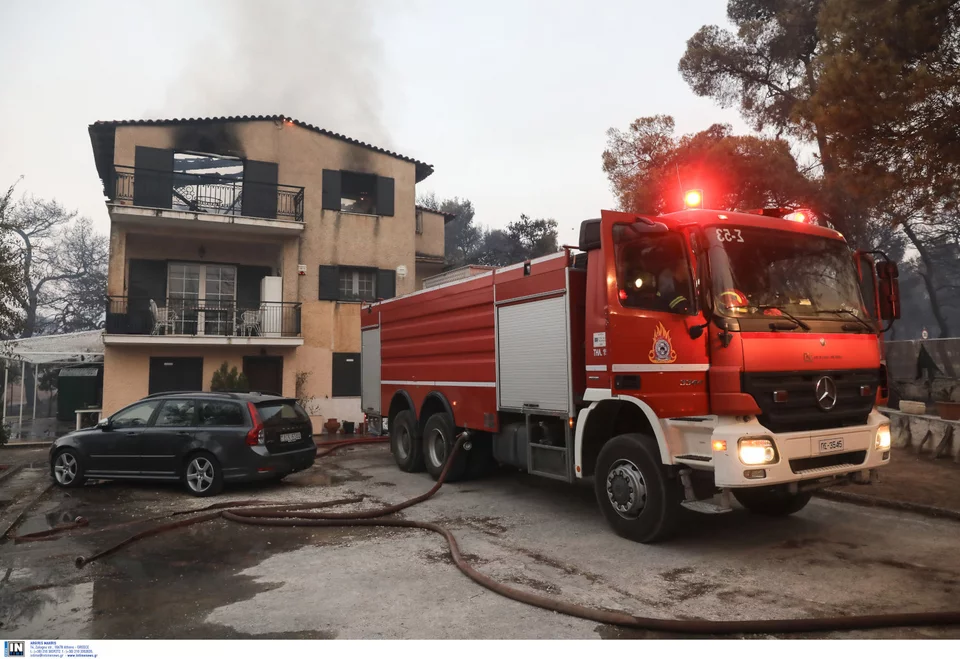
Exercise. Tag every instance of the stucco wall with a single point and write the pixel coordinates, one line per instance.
(431, 240)
(127, 368)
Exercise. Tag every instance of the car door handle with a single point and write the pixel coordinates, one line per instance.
(130, 434)
(183, 432)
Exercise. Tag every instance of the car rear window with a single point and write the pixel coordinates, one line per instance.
(220, 413)
(278, 412)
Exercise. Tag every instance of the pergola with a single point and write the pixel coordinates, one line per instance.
(48, 350)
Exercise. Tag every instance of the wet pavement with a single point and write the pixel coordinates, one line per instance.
(225, 580)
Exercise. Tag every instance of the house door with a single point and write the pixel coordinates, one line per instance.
(264, 374)
(176, 374)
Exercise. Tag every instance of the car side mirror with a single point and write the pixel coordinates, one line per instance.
(104, 423)
(887, 274)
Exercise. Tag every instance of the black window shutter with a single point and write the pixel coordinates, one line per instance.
(386, 284)
(153, 177)
(331, 190)
(384, 196)
(329, 282)
(248, 285)
(260, 189)
(147, 281)
(346, 374)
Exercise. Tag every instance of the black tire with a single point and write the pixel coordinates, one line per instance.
(630, 465)
(773, 502)
(66, 468)
(480, 461)
(439, 438)
(202, 474)
(405, 442)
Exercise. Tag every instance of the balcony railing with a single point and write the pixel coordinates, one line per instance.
(193, 317)
(207, 193)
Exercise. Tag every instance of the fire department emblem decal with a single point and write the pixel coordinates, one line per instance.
(663, 352)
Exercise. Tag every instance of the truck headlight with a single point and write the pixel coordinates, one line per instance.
(757, 451)
(883, 437)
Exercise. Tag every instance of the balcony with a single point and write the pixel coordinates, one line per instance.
(181, 199)
(185, 321)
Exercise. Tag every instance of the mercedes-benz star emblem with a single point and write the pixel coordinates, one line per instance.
(826, 392)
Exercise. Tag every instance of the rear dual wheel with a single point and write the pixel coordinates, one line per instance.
(405, 442)
(439, 438)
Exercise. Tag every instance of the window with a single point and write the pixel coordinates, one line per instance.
(135, 416)
(652, 270)
(346, 374)
(201, 296)
(419, 222)
(358, 284)
(220, 413)
(358, 193)
(281, 412)
(175, 414)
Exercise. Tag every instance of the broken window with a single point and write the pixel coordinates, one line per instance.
(358, 193)
(207, 183)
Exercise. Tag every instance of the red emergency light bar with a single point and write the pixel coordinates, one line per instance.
(792, 214)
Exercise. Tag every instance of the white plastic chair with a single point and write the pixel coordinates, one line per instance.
(250, 323)
(163, 318)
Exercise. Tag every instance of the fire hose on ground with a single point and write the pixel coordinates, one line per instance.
(262, 513)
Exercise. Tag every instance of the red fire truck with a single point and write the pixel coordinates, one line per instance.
(677, 360)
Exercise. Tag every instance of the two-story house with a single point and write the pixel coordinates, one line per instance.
(253, 241)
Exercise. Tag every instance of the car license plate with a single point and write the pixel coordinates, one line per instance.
(290, 437)
(831, 445)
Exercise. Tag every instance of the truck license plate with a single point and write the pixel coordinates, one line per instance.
(831, 445)
(290, 437)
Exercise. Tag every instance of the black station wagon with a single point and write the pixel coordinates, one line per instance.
(202, 439)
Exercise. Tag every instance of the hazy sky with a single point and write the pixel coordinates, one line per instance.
(508, 100)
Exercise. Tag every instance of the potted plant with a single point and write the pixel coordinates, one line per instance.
(946, 395)
(332, 426)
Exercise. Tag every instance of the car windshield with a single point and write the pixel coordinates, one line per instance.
(763, 272)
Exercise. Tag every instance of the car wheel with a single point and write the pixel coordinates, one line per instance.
(439, 438)
(772, 502)
(66, 468)
(202, 475)
(405, 442)
(636, 495)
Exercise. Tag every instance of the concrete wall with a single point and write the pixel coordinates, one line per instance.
(329, 238)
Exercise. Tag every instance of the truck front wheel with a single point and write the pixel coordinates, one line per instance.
(775, 502)
(405, 442)
(636, 495)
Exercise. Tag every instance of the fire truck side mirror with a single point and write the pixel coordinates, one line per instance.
(887, 274)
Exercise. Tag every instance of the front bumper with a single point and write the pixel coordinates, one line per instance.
(261, 464)
(798, 453)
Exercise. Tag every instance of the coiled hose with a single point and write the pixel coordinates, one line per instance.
(299, 515)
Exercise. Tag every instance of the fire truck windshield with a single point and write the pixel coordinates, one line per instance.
(762, 272)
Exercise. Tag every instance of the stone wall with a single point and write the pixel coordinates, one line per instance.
(925, 434)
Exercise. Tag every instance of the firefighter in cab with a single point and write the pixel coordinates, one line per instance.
(673, 287)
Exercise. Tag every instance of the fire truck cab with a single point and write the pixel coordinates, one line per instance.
(675, 360)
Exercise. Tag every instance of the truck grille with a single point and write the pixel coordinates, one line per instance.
(800, 411)
(826, 462)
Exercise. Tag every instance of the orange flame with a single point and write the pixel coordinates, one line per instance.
(661, 338)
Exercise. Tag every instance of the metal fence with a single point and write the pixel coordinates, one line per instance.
(197, 317)
(209, 193)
